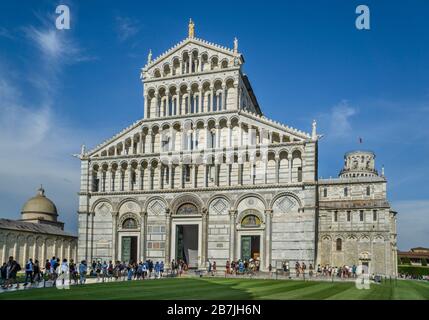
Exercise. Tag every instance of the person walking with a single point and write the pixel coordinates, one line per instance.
(161, 268)
(214, 268)
(83, 268)
(12, 269)
(157, 270)
(130, 271)
(29, 272)
(209, 268)
(227, 268)
(36, 271)
(144, 270)
(73, 271)
(3, 274)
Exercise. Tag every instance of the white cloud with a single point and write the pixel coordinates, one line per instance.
(36, 148)
(36, 143)
(340, 119)
(126, 28)
(413, 223)
(56, 46)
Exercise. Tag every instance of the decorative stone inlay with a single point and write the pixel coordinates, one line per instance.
(156, 207)
(219, 206)
(103, 210)
(285, 204)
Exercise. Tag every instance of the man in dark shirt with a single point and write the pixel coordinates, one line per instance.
(12, 269)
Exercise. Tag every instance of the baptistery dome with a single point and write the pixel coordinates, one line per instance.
(40, 209)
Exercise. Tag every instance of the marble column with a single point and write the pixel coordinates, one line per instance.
(290, 168)
(205, 175)
(204, 227)
(277, 169)
(200, 99)
(157, 105)
(167, 246)
(229, 138)
(143, 217)
(151, 146)
(218, 136)
(160, 179)
(223, 97)
(114, 236)
(182, 175)
(171, 168)
(268, 236)
(140, 144)
(232, 234)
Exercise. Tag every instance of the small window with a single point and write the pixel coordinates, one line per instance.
(299, 174)
(339, 244)
(374, 215)
(368, 191)
(349, 215)
(95, 184)
(212, 139)
(336, 216)
(361, 215)
(346, 192)
(325, 192)
(187, 173)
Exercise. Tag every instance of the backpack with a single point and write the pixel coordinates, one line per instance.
(18, 267)
(27, 266)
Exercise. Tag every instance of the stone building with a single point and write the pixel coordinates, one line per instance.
(356, 223)
(205, 175)
(37, 235)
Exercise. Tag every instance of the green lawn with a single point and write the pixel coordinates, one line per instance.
(221, 288)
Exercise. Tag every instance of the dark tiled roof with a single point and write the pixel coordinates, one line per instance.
(417, 255)
(420, 248)
(32, 227)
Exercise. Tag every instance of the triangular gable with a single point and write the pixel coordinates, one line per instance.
(295, 133)
(128, 131)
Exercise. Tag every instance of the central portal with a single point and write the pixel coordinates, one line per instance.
(250, 247)
(129, 249)
(187, 244)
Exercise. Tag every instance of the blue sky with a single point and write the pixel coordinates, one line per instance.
(305, 59)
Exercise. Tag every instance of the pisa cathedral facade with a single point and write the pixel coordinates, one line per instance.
(205, 176)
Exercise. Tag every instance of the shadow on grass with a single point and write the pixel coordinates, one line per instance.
(165, 289)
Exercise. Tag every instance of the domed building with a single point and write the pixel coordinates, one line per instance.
(38, 234)
(41, 209)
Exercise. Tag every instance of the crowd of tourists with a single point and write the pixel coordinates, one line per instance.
(55, 269)
(121, 270)
(237, 267)
(178, 267)
(322, 271)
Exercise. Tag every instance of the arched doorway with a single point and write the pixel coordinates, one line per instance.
(129, 233)
(250, 230)
(186, 237)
